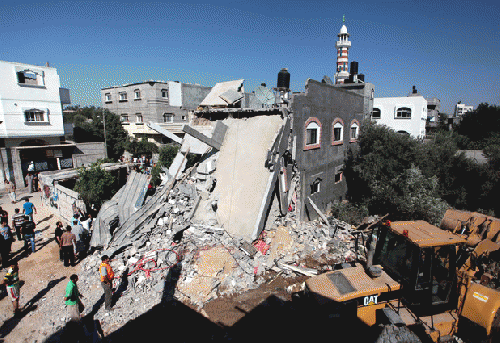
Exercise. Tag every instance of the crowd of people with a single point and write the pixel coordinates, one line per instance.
(24, 228)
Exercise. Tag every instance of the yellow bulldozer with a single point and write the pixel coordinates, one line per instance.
(442, 282)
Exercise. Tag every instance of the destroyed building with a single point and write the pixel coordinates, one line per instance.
(269, 161)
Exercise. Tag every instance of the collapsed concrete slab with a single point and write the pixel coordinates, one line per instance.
(165, 132)
(214, 97)
(244, 184)
(217, 136)
(117, 210)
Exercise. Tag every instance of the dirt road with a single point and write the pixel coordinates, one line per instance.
(43, 278)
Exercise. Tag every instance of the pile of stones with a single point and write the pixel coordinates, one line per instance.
(207, 261)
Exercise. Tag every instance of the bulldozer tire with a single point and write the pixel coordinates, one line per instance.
(495, 329)
(397, 334)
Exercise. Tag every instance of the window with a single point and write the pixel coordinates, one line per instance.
(183, 117)
(403, 113)
(107, 97)
(124, 118)
(376, 113)
(354, 130)
(137, 94)
(164, 93)
(312, 134)
(315, 186)
(338, 132)
(338, 176)
(139, 119)
(29, 77)
(34, 115)
(168, 118)
(123, 96)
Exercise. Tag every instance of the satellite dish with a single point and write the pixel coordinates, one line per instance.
(265, 95)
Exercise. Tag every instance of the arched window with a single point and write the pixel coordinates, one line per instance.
(376, 113)
(338, 132)
(403, 113)
(312, 134)
(354, 130)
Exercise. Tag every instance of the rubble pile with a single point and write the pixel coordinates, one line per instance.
(211, 262)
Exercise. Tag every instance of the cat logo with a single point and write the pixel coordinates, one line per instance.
(370, 300)
(480, 297)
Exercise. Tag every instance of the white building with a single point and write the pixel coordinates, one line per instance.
(402, 114)
(461, 109)
(31, 121)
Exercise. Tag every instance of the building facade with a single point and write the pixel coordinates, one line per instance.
(166, 103)
(31, 121)
(326, 123)
(461, 109)
(406, 115)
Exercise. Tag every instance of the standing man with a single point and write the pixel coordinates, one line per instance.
(58, 233)
(35, 182)
(7, 242)
(107, 276)
(17, 222)
(67, 241)
(28, 232)
(80, 235)
(11, 189)
(28, 208)
(72, 299)
(29, 181)
(11, 281)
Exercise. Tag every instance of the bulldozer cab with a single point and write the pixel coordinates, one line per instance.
(422, 258)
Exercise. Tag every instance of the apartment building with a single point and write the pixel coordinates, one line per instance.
(166, 103)
(31, 121)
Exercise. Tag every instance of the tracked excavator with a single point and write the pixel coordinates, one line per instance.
(442, 283)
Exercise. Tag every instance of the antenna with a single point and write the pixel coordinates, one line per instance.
(265, 95)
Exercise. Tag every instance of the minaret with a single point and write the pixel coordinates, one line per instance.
(343, 44)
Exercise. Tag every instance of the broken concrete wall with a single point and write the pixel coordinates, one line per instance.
(244, 183)
(323, 163)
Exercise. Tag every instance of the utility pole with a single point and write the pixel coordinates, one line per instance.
(105, 142)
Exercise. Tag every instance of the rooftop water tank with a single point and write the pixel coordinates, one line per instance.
(284, 78)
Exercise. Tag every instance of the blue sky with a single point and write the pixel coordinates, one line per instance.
(447, 49)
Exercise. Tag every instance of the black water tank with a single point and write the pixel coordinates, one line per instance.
(284, 78)
(361, 77)
(354, 68)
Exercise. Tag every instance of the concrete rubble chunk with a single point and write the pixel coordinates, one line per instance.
(244, 184)
(217, 136)
(178, 165)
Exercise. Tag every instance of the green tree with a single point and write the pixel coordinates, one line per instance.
(481, 126)
(380, 172)
(95, 185)
(89, 127)
(141, 147)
